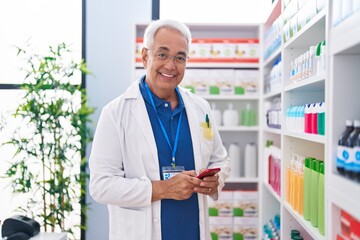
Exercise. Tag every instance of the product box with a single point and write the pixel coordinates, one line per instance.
(245, 228)
(222, 81)
(246, 82)
(247, 50)
(200, 50)
(221, 228)
(245, 203)
(138, 49)
(223, 207)
(222, 50)
(197, 80)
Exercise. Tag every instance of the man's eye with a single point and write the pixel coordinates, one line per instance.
(180, 59)
(162, 55)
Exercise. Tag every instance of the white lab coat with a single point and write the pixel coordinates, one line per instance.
(124, 161)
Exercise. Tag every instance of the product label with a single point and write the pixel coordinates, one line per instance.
(342, 156)
(357, 159)
(350, 162)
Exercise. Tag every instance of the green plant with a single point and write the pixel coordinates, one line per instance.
(49, 165)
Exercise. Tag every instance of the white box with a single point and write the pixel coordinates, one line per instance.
(245, 203)
(223, 207)
(245, 228)
(221, 228)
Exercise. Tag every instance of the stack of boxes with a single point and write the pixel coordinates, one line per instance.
(221, 81)
(234, 215)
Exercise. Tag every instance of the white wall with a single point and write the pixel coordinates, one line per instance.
(110, 56)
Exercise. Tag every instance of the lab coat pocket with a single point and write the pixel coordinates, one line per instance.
(206, 143)
(130, 224)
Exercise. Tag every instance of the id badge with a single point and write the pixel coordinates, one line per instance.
(169, 172)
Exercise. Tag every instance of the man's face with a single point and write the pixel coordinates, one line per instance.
(164, 74)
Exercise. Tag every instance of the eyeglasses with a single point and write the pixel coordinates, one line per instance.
(164, 56)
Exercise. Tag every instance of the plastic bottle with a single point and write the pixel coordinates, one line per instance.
(308, 117)
(314, 193)
(342, 149)
(250, 160)
(321, 199)
(294, 233)
(234, 154)
(290, 183)
(350, 163)
(295, 190)
(230, 116)
(307, 187)
(321, 118)
(356, 152)
(314, 119)
(301, 186)
(311, 67)
(248, 116)
(318, 59)
(217, 114)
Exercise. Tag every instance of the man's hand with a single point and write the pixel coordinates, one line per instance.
(179, 187)
(208, 185)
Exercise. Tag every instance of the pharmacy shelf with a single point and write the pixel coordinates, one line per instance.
(345, 194)
(273, 94)
(238, 129)
(272, 130)
(242, 180)
(345, 37)
(314, 83)
(270, 60)
(305, 136)
(230, 97)
(273, 193)
(314, 31)
(312, 231)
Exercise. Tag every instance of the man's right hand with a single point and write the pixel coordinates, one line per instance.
(179, 187)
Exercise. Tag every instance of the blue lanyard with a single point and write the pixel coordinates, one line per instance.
(173, 150)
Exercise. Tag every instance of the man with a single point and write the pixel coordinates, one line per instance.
(149, 145)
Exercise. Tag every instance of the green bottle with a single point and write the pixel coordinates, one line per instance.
(294, 233)
(321, 199)
(307, 187)
(314, 193)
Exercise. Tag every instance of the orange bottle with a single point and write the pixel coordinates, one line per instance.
(301, 187)
(296, 186)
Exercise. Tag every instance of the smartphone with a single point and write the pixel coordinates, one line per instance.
(208, 172)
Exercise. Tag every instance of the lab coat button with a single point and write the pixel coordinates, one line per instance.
(156, 220)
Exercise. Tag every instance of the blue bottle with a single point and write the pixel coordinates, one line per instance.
(342, 149)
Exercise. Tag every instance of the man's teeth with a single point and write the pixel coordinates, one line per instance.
(167, 75)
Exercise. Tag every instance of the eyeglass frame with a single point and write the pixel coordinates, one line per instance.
(167, 56)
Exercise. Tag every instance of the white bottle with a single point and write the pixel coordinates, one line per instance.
(234, 155)
(250, 160)
(230, 116)
(217, 114)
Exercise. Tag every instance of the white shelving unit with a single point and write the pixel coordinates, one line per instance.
(310, 90)
(344, 99)
(339, 87)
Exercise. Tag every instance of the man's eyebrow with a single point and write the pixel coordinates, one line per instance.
(167, 49)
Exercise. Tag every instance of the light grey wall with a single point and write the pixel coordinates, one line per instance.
(110, 39)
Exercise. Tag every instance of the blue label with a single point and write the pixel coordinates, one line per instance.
(345, 154)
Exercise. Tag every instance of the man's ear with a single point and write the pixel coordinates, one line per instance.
(144, 56)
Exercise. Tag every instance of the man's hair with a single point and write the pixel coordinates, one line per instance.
(155, 25)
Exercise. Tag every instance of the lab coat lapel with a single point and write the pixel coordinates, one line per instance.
(194, 127)
(138, 110)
